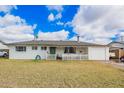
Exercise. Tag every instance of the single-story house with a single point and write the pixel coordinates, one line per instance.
(52, 50)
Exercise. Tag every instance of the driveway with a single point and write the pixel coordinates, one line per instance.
(117, 64)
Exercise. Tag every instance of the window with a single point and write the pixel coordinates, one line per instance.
(43, 48)
(34, 47)
(20, 48)
(52, 50)
(70, 50)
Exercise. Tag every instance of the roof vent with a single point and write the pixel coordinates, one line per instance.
(78, 38)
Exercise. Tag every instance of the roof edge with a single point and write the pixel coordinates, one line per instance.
(17, 43)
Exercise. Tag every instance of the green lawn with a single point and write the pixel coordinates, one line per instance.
(78, 74)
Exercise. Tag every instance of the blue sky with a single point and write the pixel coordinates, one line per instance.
(39, 15)
(96, 24)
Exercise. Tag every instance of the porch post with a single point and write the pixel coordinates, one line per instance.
(47, 51)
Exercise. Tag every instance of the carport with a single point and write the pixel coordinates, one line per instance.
(3, 47)
(116, 51)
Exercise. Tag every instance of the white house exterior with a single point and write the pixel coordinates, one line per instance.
(53, 50)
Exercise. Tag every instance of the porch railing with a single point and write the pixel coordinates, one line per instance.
(74, 56)
(68, 56)
(51, 57)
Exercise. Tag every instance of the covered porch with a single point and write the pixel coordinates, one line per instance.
(67, 53)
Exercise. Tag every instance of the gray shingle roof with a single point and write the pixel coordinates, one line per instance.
(120, 42)
(54, 43)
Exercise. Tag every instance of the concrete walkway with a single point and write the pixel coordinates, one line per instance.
(115, 64)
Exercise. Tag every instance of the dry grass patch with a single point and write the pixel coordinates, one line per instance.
(29, 73)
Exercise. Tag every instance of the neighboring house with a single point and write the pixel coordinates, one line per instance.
(52, 50)
(116, 49)
(3, 47)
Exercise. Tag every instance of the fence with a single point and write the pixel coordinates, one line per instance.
(74, 56)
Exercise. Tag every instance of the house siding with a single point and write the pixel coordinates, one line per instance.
(94, 52)
(28, 54)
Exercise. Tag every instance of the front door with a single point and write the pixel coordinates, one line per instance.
(52, 50)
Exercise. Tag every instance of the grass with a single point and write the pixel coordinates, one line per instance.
(76, 74)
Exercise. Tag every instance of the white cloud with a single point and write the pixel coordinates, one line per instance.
(68, 24)
(65, 24)
(98, 23)
(58, 16)
(58, 8)
(89, 39)
(51, 17)
(57, 35)
(14, 28)
(8, 20)
(60, 23)
(7, 8)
